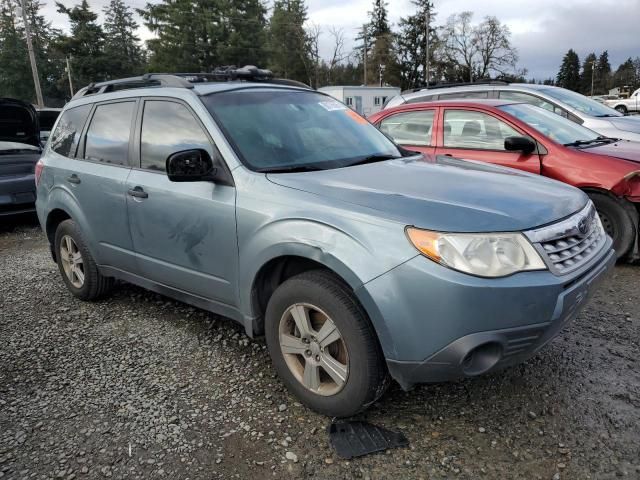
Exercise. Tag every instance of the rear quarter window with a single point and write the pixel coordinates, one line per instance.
(66, 136)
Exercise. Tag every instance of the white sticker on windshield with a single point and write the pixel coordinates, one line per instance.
(332, 105)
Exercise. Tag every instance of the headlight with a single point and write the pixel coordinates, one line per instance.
(481, 254)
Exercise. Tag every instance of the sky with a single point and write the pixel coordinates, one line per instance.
(542, 30)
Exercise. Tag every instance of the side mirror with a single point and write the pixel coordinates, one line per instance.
(519, 144)
(190, 166)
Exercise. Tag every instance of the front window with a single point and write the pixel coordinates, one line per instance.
(285, 130)
(581, 103)
(549, 124)
(475, 130)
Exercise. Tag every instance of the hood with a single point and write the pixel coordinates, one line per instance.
(628, 124)
(621, 149)
(444, 193)
(18, 122)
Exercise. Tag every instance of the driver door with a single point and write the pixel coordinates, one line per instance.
(184, 234)
(476, 135)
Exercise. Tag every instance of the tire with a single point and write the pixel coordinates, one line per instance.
(326, 297)
(622, 109)
(92, 285)
(616, 222)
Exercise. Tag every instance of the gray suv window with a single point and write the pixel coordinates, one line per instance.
(168, 127)
(472, 94)
(109, 132)
(67, 134)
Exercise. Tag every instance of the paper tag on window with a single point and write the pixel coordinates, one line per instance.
(332, 105)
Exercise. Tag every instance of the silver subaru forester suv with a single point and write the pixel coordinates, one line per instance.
(578, 108)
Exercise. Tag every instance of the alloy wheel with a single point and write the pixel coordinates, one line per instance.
(72, 262)
(313, 349)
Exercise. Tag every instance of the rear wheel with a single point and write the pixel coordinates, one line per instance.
(622, 109)
(616, 222)
(77, 267)
(323, 346)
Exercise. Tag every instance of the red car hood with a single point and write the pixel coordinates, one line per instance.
(621, 149)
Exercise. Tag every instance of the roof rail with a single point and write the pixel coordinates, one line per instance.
(229, 73)
(457, 84)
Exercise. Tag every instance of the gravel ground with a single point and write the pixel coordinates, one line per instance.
(140, 386)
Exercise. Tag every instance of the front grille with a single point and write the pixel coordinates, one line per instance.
(566, 246)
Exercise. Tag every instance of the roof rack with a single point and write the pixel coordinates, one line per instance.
(456, 84)
(229, 73)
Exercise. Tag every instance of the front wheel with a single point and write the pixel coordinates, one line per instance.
(323, 346)
(616, 222)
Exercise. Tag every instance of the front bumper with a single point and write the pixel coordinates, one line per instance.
(436, 324)
(17, 194)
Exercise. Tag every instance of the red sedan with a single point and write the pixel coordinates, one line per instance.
(530, 138)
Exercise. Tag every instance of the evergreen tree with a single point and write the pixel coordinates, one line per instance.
(122, 51)
(15, 75)
(85, 45)
(569, 74)
(189, 35)
(383, 59)
(411, 41)
(587, 72)
(625, 75)
(603, 74)
(289, 45)
(246, 32)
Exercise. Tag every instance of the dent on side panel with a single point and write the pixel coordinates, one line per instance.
(276, 221)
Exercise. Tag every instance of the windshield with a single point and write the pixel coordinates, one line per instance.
(285, 130)
(581, 103)
(550, 124)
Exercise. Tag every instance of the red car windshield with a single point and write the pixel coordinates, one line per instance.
(550, 124)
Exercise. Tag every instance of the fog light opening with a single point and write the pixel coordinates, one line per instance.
(481, 359)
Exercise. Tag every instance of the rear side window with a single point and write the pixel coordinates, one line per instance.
(409, 128)
(66, 136)
(423, 98)
(168, 127)
(473, 94)
(109, 132)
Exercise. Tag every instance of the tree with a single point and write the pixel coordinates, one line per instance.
(474, 52)
(411, 41)
(190, 36)
(122, 50)
(382, 55)
(495, 53)
(587, 75)
(569, 73)
(289, 43)
(85, 45)
(246, 33)
(603, 73)
(15, 75)
(625, 75)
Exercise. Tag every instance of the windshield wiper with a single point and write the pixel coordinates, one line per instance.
(373, 159)
(579, 143)
(290, 169)
(607, 115)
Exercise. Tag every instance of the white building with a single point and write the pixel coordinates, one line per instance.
(364, 100)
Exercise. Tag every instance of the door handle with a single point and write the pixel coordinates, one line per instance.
(138, 192)
(73, 179)
(448, 155)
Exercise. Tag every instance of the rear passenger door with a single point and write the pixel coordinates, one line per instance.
(92, 167)
(413, 129)
(476, 135)
(184, 234)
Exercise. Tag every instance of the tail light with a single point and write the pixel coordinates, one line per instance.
(38, 171)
